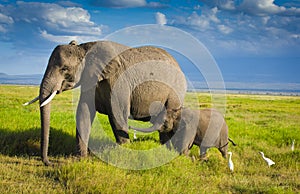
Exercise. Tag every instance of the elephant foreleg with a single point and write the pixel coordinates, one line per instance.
(165, 138)
(84, 118)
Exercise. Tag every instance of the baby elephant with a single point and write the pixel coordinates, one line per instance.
(185, 127)
(204, 128)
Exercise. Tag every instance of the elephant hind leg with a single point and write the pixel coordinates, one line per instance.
(203, 155)
(223, 150)
(121, 136)
(120, 132)
(224, 155)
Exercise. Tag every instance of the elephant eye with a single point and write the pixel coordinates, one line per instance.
(64, 69)
(69, 77)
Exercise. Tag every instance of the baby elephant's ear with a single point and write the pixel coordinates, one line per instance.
(73, 42)
(177, 109)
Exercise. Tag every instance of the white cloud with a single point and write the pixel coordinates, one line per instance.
(61, 21)
(127, 4)
(68, 4)
(261, 7)
(5, 21)
(212, 14)
(221, 4)
(225, 29)
(228, 5)
(160, 18)
(156, 5)
(198, 21)
(236, 33)
(295, 36)
(202, 22)
(256, 7)
(56, 18)
(119, 3)
(2, 29)
(64, 39)
(68, 16)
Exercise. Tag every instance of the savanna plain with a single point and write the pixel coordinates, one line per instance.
(256, 123)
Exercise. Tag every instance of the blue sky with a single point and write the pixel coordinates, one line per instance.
(247, 37)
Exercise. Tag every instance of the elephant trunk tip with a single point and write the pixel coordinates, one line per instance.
(47, 162)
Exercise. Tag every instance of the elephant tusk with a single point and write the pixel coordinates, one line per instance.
(155, 127)
(32, 101)
(48, 99)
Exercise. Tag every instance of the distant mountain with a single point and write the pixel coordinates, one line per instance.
(34, 79)
(194, 84)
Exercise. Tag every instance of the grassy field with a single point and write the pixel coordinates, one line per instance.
(256, 123)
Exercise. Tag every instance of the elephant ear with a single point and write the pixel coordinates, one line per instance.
(97, 57)
(184, 136)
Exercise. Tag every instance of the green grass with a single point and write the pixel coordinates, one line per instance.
(256, 123)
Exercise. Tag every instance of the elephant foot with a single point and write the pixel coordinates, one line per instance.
(224, 156)
(82, 152)
(123, 140)
(82, 149)
(122, 137)
(47, 162)
(193, 158)
(203, 157)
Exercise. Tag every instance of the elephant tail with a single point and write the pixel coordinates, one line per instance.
(234, 144)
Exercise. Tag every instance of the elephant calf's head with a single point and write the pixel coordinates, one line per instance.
(171, 120)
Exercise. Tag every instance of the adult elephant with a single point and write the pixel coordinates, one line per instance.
(115, 80)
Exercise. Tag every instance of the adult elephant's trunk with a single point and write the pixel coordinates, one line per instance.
(48, 89)
(158, 124)
(45, 124)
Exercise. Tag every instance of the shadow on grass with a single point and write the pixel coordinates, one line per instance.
(27, 142)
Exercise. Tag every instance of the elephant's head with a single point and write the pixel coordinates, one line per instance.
(171, 120)
(63, 73)
(70, 66)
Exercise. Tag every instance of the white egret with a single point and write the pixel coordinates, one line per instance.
(293, 145)
(134, 134)
(268, 160)
(230, 163)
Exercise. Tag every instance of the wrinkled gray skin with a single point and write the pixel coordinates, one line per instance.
(204, 128)
(111, 83)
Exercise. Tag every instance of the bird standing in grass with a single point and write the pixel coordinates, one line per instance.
(293, 145)
(268, 160)
(134, 134)
(230, 163)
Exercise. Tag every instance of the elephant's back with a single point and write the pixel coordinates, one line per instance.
(147, 53)
(145, 56)
(212, 119)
